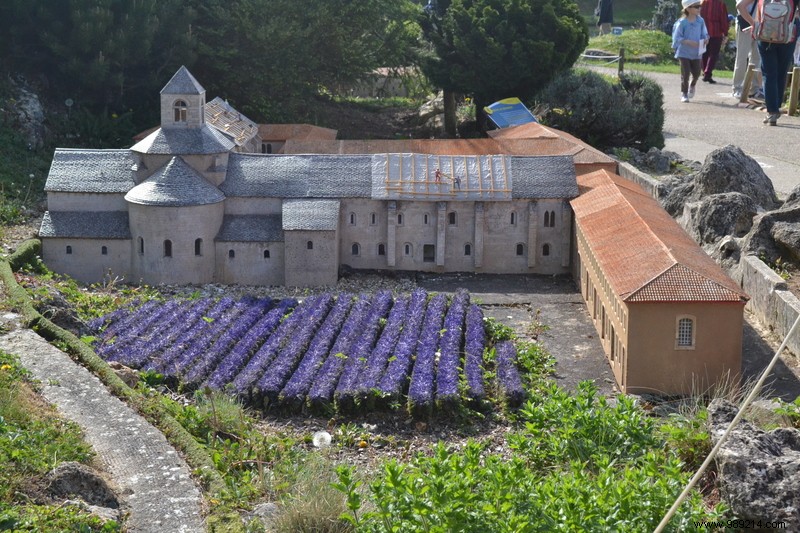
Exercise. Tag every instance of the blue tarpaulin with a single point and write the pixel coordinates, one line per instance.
(509, 112)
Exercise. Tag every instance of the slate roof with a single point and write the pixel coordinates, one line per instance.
(311, 215)
(645, 255)
(543, 177)
(298, 176)
(182, 82)
(175, 184)
(251, 228)
(90, 171)
(221, 116)
(85, 225)
(185, 141)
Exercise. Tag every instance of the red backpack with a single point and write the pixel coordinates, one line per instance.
(775, 21)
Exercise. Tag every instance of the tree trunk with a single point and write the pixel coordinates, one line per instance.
(450, 125)
(481, 119)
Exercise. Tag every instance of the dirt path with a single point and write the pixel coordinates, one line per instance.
(155, 485)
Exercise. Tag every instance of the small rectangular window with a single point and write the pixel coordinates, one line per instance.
(429, 253)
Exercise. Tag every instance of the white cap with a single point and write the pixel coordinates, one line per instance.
(687, 3)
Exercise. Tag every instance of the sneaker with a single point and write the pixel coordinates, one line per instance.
(736, 94)
(710, 80)
(690, 94)
(684, 98)
(759, 95)
(772, 119)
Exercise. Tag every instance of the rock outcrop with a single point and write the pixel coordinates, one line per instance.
(74, 480)
(759, 471)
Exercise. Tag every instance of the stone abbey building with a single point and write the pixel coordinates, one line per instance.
(210, 196)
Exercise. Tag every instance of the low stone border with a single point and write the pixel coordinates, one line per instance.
(771, 302)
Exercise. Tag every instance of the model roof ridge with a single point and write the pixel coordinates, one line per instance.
(723, 293)
(182, 82)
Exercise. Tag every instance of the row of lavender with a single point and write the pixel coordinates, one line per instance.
(351, 349)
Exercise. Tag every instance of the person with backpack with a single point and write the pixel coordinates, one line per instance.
(715, 15)
(746, 54)
(774, 27)
(689, 39)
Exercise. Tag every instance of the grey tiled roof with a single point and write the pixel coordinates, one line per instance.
(298, 176)
(184, 141)
(85, 225)
(544, 177)
(251, 228)
(91, 171)
(312, 215)
(175, 184)
(183, 83)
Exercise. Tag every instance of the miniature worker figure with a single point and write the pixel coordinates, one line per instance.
(457, 182)
(437, 175)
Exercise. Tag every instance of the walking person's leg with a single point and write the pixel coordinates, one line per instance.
(710, 58)
(694, 67)
(744, 42)
(685, 73)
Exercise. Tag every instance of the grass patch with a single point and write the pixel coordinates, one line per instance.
(33, 441)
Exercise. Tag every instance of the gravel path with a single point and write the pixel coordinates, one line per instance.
(154, 482)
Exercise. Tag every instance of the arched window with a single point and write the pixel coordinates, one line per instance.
(69, 249)
(266, 148)
(520, 249)
(355, 249)
(198, 247)
(399, 219)
(231, 254)
(352, 219)
(104, 250)
(546, 249)
(310, 245)
(549, 219)
(468, 249)
(451, 218)
(425, 219)
(168, 248)
(373, 219)
(513, 218)
(407, 249)
(266, 254)
(141, 245)
(180, 111)
(684, 333)
(381, 249)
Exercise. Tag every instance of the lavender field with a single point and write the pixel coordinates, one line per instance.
(355, 352)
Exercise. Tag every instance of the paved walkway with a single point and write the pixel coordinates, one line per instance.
(714, 119)
(154, 482)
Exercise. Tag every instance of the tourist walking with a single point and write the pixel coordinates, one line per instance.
(746, 54)
(605, 15)
(775, 56)
(689, 39)
(715, 15)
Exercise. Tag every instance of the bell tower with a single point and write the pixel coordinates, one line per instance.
(182, 101)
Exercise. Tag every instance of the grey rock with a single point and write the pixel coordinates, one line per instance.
(726, 169)
(128, 375)
(759, 471)
(76, 480)
(775, 235)
(718, 215)
(659, 161)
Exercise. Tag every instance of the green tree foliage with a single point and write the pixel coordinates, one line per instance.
(628, 112)
(493, 49)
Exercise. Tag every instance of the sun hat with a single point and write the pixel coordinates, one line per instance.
(687, 3)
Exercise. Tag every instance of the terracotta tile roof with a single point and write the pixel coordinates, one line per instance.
(220, 115)
(645, 254)
(283, 132)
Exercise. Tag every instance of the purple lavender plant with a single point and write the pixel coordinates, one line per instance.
(378, 359)
(129, 340)
(277, 373)
(509, 382)
(321, 391)
(420, 389)
(450, 349)
(252, 372)
(361, 349)
(254, 310)
(241, 353)
(474, 345)
(186, 340)
(297, 387)
(395, 377)
(108, 337)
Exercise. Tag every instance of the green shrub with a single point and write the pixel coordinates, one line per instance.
(606, 114)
